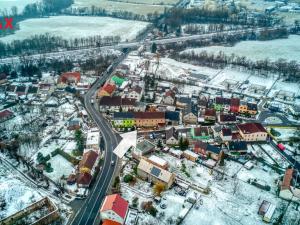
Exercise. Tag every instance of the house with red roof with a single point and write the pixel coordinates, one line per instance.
(86, 168)
(252, 132)
(69, 77)
(114, 209)
(107, 90)
(169, 98)
(234, 105)
(6, 115)
(288, 189)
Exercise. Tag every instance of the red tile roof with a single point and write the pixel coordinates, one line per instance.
(170, 93)
(69, 75)
(109, 88)
(249, 128)
(288, 176)
(210, 112)
(149, 115)
(88, 160)
(5, 113)
(115, 203)
(84, 178)
(110, 222)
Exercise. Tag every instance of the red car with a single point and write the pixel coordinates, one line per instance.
(281, 146)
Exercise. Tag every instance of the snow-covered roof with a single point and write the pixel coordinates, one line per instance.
(128, 141)
(157, 160)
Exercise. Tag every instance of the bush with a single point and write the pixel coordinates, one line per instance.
(153, 211)
(128, 178)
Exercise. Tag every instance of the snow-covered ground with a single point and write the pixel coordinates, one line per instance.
(61, 167)
(15, 193)
(285, 133)
(20, 4)
(257, 50)
(70, 27)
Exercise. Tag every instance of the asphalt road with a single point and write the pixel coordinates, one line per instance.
(87, 214)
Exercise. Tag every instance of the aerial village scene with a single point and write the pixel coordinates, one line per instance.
(160, 112)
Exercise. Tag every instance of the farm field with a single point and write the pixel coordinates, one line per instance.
(258, 50)
(7, 4)
(134, 6)
(70, 27)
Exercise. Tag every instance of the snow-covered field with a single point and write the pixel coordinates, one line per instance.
(70, 27)
(20, 4)
(256, 50)
(61, 167)
(15, 193)
(131, 6)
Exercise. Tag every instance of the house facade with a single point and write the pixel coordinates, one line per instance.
(149, 119)
(252, 132)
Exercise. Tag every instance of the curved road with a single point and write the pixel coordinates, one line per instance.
(87, 214)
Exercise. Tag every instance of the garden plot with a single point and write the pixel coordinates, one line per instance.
(276, 156)
(259, 153)
(61, 167)
(16, 194)
(170, 68)
(232, 203)
(270, 177)
(285, 90)
(113, 6)
(70, 27)
(229, 79)
(259, 50)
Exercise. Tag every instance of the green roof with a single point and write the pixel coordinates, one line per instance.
(118, 80)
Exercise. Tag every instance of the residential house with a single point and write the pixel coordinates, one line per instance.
(157, 161)
(143, 148)
(21, 90)
(154, 174)
(169, 97)
(190, 114)
(252, 132)
(252, 108)
(73, 125)
(32, 90)
(87, 167)
(128, 104)
(6, 115)
(117, 80)
(149, 119)
(172, 118)
(207, 150)
(136, 93)
(227, 118)
(203, 102)
(234, 105)
(210, 115)
(288, 189)
(237, 147)
(243, 107)
(114, 208)
(110, 104)
(172, 136)
(190, 155)
(69, 77)
(222, 104)
(226, 134)
(93, 139)
(107, 90)
(200, 133)
(123, 120)
(183, 102)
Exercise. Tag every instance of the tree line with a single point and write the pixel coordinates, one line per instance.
(289, 70)
(176, 17)
(48, 43)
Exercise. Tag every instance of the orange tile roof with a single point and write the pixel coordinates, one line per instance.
(288, 176)
(109, 88)
(110, 222)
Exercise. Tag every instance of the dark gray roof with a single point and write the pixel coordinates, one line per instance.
(123, 115)
(172, 115)
(172, 132)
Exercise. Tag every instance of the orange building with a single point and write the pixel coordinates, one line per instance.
(149, 119)
(69, 77)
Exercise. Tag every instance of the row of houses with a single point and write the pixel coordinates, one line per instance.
(87, 165)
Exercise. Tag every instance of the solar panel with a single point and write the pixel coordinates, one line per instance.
(155, 171)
